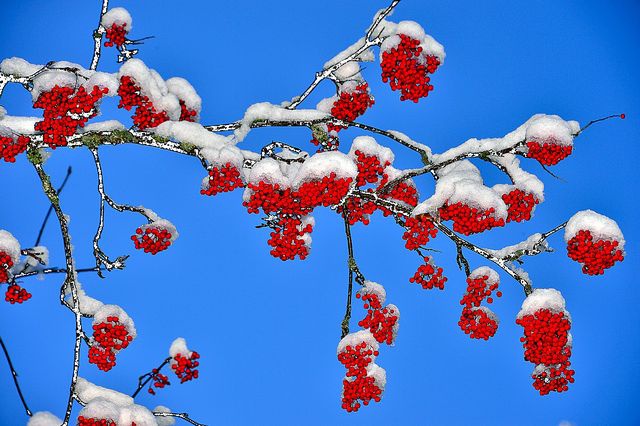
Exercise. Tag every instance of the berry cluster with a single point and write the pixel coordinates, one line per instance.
(358, 385)
(419, 230)
(429, 275)
(370, 169)
(185, 367)
(187, 114)
(151, 240)
(546, 343)
(16, 294)
(349, 105)
(520, 205)
(66, 109)
(381, 321)
(116, 35)
(6, 263)
(548, 153)
(223, 178)
(478, 321)
(289, 207)
(405, 68)
(109, 337)
(594, 255)
(159, 381)
(88, 421)
(468, 220)
(146, 115)
(11, 146)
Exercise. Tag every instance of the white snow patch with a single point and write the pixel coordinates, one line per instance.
(600, 226)
(118, 16)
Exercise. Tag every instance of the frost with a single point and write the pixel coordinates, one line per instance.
(543, 298)
(600, 226)
(44, 418)
(9, 245)
(118, 16)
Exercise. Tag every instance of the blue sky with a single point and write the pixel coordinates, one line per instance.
(267, 330)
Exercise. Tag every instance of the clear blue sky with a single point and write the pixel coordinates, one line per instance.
(267, 330)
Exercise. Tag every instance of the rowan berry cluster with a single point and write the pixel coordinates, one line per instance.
(224, 178)
(381, 321)
(116, 35)
(159, 381)
(66, 109)
(187, 114)
(185, 367)
(429, 275)
(151, 239)
(16, 294)
(109, 338)
(469, 220)
(84, 421)
(595, 255)
(419, 230)
(146, 116)
(6, 263)
(549, 152)
(547, 345)
(358, 385)
(520, 205)
(289, 208)
(11, 146)
(478, 321)
(349, 105)
(406, 68)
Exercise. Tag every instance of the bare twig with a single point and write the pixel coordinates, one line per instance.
(46, 217)
(14, 374)
(183, 416)
(146, 378)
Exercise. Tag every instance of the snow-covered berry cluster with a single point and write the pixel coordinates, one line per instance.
(429, 275)
(364, 380)
(547, 341)
(110, 336)
(406, 68)
(549, 139)
(479, 322)
(16, 294)
(64, 110)
(548, 153)
(469, 220)
(223, 178)
(116, 23)
(381, 321)
(89, 421)
(116, 35)
(187, 114)
(155, 237)
(11, 146)
(595, 241)
(520, 205)
(6, 263)
(183, 361)
(146, 116)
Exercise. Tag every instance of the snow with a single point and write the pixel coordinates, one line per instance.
(102, 126)
(115, 311)
(271, 112)
(370, 147)
(379, 375)
(118, 16)
(44, 418)
(153, 86)
(137, 414)
(429, 45)
(600, 226)
(10, 245)
(88, 305)
(492, 275)
(161, 420)
(488, 312)
(3, 112)
(185, 92)
(551, 128)
(354, 339)
(161, 224)
(179, 346)
(267, 170)
(87, 392)
(531, 243)
(396, 326)
(20, 125)
(348, 72)
(543, 298)
(461, 182)
(39, 256)
(371, 287)
(323, 164)
(522, 180)
(365, 56)
(101, 409)
(18, 67)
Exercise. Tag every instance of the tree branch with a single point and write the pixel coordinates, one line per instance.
(15, 378)
(145, 378)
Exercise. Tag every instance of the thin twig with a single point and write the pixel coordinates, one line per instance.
(183, 416)
(145, 378)
(97, 37)
(46, 217)
(14, 374)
